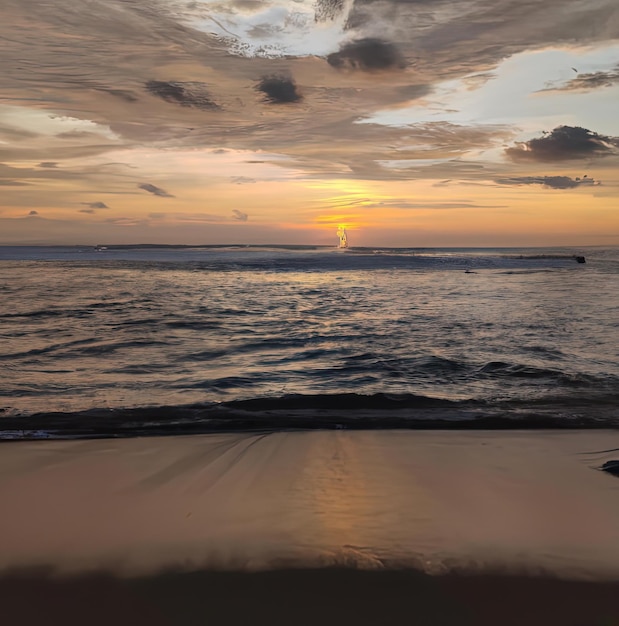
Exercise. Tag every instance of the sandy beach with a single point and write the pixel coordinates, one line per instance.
(354, 520)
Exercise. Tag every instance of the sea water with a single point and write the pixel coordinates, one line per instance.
(134, 340)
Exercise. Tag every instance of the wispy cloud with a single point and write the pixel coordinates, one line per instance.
(588, 81)
(187, 94)
(95, 205)
(551, 182)
(156, 191)
(239, 215)
(125, 221)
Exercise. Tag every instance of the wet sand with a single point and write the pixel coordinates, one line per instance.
(313, 527)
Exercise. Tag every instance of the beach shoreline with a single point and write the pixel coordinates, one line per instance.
(429, 500)
(322, 527)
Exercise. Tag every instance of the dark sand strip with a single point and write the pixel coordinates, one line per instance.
(298, 597)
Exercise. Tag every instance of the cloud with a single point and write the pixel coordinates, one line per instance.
(326, 10)
(33, 213)
(563, 143)
(322, 139)
(279, 89)
(126, 221)
(552, 182)
(239, 215)
(198, 217)
(95, 205)
(89, 211)
(127, 96)
(368, 150)
(187, 94)
(368, 55)
(242, 180)
(48, 164)
(589, 81)
(157, 191)
(405, 204)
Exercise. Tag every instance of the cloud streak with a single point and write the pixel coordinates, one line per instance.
(156, 191)
(187, 94)
(589, 81)
(551, 182)
(95, 205)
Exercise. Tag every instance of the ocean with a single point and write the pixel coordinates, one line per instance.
(137, 340)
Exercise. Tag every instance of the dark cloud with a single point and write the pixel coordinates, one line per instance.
(48, 164)
(89, 211)
(33, 213)
(368, 55)
(95, 205)
(187, 94)
(279, 89)
(239, 215)
(157, 191)
(552, 182)
(563, 143)
(587, 82)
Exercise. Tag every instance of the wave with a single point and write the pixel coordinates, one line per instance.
(321, 411)
(80, 348)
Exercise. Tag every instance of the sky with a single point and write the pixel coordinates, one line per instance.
(408, 122)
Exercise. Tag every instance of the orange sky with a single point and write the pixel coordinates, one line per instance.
(126, 127)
